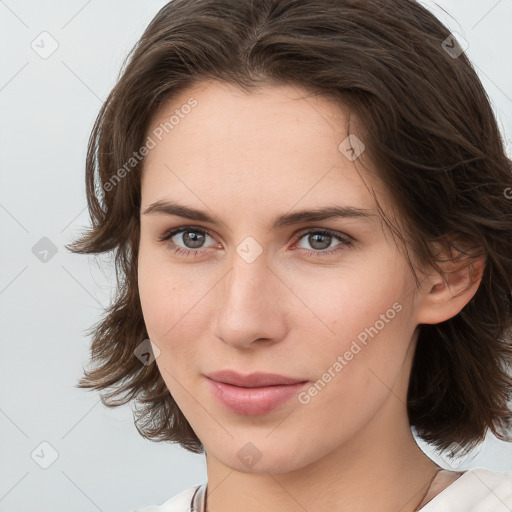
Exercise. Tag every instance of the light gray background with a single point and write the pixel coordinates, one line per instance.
(47, 110)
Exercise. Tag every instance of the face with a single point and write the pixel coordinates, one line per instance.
(249, 285)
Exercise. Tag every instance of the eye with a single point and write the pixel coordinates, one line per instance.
(321, 239)
(194, 238)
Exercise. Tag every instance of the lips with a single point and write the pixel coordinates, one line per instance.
(253, 380)
(253, 394)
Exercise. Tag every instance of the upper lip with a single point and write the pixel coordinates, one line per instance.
(252, 380)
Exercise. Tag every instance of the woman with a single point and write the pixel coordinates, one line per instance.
(241, 137)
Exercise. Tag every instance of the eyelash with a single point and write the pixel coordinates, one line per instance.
(345, 240)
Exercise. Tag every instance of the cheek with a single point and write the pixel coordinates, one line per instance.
(163, 291)
(175, 305)
(360, 333)
(168, 312)
(160, 294)
(356, 369)
(340, 305)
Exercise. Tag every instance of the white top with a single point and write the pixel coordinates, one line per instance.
(476, 490)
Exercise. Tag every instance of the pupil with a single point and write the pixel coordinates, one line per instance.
(195, 239)
(314, 239)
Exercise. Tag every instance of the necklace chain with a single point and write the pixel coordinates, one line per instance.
(428, 489)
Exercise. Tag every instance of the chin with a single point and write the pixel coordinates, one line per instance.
(265, 465)
(273, 458)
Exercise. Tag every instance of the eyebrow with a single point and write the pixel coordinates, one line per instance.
(327, 212)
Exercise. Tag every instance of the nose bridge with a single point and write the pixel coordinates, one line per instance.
(246, 287)
(249, 307)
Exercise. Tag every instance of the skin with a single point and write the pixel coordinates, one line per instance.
(246, 159)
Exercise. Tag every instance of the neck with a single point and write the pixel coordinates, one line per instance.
(379, 465)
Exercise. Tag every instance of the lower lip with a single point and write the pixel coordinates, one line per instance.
(253, 401)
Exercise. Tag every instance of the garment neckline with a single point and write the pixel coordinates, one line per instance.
(447, 491)
(198, 501)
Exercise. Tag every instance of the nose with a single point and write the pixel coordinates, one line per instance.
(251, 305)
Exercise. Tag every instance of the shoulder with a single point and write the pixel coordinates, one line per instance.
(179, 503)
(478, 490)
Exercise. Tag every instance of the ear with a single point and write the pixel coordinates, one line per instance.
(443, 296)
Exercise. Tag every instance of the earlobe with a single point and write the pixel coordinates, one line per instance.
(443, 297)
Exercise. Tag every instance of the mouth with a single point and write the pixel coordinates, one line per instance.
(252, 380)
(253, 394)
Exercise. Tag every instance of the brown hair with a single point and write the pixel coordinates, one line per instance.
(428, 126)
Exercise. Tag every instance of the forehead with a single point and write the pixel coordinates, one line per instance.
(278, 144)
(237, 112)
